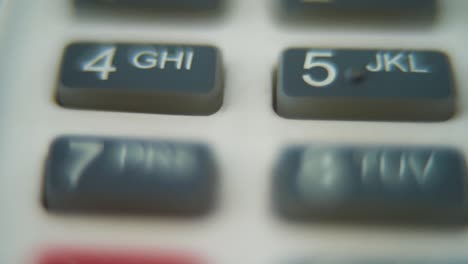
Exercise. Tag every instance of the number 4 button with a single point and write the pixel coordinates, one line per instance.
(148, 78)
(102, 63)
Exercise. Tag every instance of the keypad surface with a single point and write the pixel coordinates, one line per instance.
(245, 132)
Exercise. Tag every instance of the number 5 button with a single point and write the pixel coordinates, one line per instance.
(365, 85)
(153, 78)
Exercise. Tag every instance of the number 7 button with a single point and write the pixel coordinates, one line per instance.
(394, 85)
(96, 174)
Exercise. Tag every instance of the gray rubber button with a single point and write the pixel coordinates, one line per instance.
(385, 5)
(345, 84)
(193, 4)
(379, 260)
(167, 79)
(381, 183)
(95, 174)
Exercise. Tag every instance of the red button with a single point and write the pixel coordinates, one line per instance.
(68, 256)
